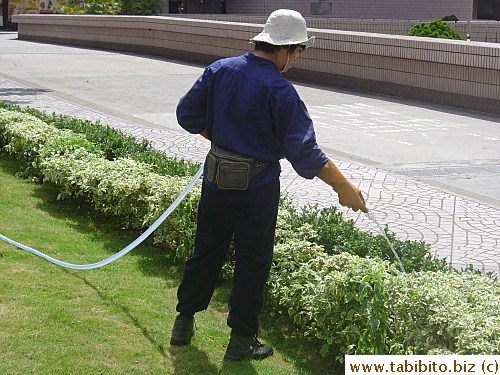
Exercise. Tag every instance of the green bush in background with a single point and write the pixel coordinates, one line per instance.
(112, 7)
(141, 7)
(435, 29)
(72, 8)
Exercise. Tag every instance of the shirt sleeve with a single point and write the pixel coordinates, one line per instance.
(299, 139)
(192, 107)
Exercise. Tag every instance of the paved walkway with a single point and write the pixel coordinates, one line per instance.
(460, 228)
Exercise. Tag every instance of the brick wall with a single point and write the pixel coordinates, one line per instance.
(459, 73)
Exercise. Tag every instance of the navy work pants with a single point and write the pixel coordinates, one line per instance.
(250, 216)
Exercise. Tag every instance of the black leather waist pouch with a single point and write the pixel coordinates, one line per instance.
(231, 170)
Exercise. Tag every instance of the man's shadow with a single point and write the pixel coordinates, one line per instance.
(190, 360)
(238, 368)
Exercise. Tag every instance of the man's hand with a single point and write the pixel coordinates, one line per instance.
(349, 195)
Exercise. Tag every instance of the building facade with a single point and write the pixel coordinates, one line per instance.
(350, 9)
(358, 9)
(366, 9)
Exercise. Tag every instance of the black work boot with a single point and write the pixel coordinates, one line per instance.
(241, 348)
(183, 330)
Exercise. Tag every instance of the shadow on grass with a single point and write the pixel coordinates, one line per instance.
(278, 331)
(9, 164)
(189, 360)
(304, 352)
(144, 331)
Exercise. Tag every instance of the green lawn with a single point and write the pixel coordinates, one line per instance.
(111, 320)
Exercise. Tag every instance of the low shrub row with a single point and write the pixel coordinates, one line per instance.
(356, 305)
(126, 191)
(113, 143)
(348, 303)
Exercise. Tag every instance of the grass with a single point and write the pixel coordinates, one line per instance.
(111, 320)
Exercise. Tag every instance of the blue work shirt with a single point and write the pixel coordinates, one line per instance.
(245, 105)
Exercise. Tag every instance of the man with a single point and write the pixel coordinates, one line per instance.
(249, 112)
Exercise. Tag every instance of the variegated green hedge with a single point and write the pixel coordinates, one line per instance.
(124, 189)
(357, 305)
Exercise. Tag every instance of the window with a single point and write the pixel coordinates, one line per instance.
(321, 8)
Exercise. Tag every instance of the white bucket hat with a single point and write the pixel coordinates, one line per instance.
(285, 27)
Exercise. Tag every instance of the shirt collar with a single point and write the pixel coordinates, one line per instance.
(260, 61)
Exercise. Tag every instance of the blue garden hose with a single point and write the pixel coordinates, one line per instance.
(130, 247)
